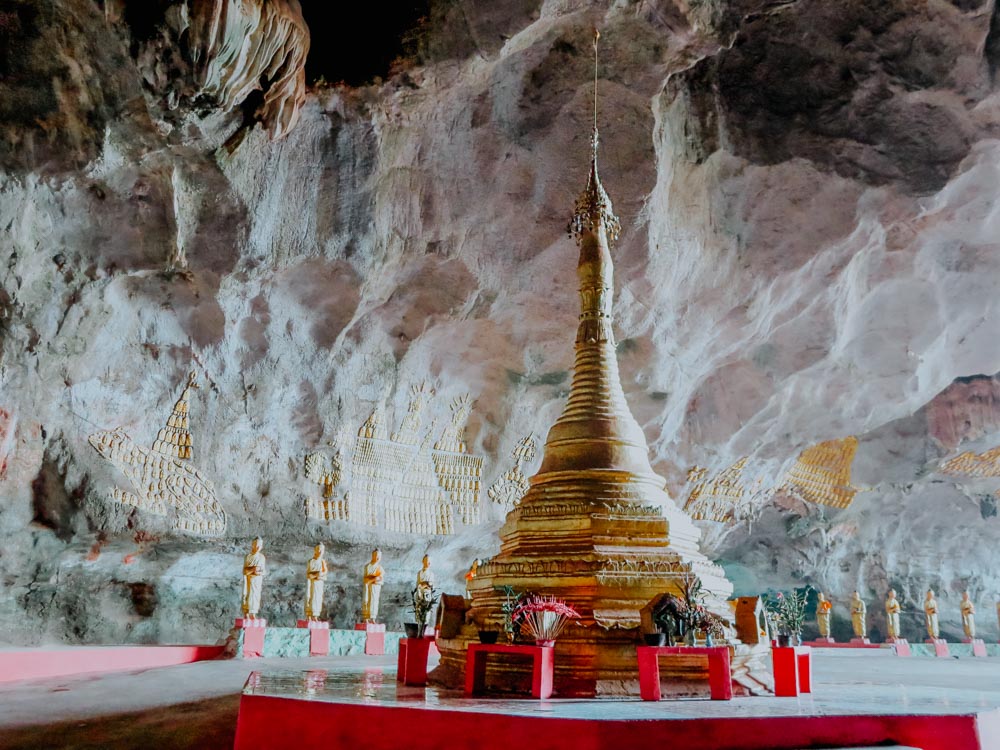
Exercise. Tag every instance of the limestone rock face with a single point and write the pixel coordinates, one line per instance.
(807, 192)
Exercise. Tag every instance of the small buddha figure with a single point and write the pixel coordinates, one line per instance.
(892, 610)
(254, 567)
(316, 570)
(859, 610)
(470, 577)
(823, 608)
(425, 580)
(931, 615)
(373, 577)
(968, 616)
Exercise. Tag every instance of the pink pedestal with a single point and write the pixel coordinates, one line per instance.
(253, 636)
(319, 636)
(978, 646)
(720, 679)
(824, 639)
(860, 641)
(542, 666)
(940, 646)
(792, 670)
(374, 637)
(411, 664)
(901, 646)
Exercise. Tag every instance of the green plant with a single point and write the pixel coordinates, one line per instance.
(508, 606)
(787, 612)
(424, 599)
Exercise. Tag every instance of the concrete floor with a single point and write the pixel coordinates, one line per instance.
(195, 705)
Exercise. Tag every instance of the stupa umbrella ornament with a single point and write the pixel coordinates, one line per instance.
(595, 528)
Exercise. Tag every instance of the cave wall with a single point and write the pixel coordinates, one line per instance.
(809, 252)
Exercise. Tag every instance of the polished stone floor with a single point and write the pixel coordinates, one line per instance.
(195, 705)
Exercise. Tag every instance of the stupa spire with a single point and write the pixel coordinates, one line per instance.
(596, 429)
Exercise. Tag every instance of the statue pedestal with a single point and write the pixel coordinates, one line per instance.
(940, 646)
(823, 639)
(319, 636)
(900, 645)
(858, 641)
(253, 635)
(978, 646)
(374, 637)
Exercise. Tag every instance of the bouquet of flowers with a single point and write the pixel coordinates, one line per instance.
(543, 617)
(787, 612)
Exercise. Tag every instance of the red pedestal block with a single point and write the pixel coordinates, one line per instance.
(720, 678)
(860, 641)
(253, 636)
(822, 640)
(411, 664)
(900, 646)
(940, 646)
(978, 646)
(542, 666)
(374, 637)
(319, 636)
(792, 670)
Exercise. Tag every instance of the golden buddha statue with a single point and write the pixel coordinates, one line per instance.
(316, 572)
(859, 611)
(372, 580)
(892, 610)
(968, 616)
(823, 608)
(254, 568)
(931, 615)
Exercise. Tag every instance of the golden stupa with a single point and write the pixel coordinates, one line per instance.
(596, 527)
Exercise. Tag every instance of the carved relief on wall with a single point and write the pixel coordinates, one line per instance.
(726, 497)
(510, 487)
(969, 464)
(404, 482)
(164, 481)
(822, 474)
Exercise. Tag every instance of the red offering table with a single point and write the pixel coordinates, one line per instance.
(542, 662)
(792, 670)
(719, 676)
(411, 664)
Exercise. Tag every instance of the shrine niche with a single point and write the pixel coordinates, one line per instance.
(726, 497)
(401, 482)
(510, 486)
(164, 480)
(822, 474)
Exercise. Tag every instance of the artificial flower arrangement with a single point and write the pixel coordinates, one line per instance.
(423, 602)
(787, 613)
(543, 617)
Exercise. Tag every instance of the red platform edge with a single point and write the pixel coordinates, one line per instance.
(267, 722)
(34, 664)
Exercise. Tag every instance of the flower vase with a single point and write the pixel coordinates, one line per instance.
(783, 641)
(796, 639)
(510, 637)
(708, 640)
(689, 638)
(546, 643)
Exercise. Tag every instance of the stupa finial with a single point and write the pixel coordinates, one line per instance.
(593, 207)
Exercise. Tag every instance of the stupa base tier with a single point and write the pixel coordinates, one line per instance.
(598, 662)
